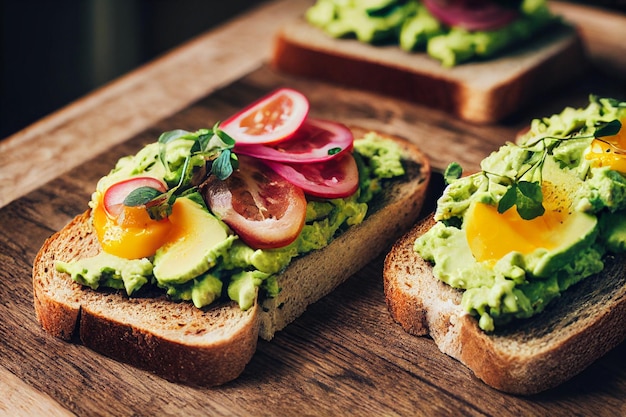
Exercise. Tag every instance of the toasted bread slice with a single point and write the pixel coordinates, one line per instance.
(156, 334)
(480, 92)
(531, 356)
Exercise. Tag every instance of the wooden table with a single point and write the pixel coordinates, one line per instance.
(344, 356)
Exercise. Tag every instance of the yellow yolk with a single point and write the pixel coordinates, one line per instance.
(132, 235)
(602, 154)
(492, 235)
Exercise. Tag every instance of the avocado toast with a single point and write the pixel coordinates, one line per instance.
(397, 48)
(519, 272)
(196, 318)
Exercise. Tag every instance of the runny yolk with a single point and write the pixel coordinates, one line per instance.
(602, 154)
(492, 235)
(133, 234)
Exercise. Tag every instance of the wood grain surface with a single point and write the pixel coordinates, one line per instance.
(344, 356)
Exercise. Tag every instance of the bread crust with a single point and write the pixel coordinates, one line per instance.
(210, 346)
(480, 92)
(528, 357)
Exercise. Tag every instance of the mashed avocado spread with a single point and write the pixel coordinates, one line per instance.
(227, 267)
(410, 25)
(540, 216)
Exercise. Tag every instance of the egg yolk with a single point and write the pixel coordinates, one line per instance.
(133, 234)
(602, 154)
(492, 235)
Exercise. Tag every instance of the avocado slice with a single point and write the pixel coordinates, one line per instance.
(578, 230)
(577, 233)
(197, 240)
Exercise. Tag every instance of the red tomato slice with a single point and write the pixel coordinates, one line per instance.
(336, 178)
(259, 205)
(471, 15)
(114, 195)
(271, 119)
(315, 141)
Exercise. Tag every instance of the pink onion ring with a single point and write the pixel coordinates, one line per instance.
(471, 14)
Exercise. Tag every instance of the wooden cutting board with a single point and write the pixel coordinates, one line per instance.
(344, 356)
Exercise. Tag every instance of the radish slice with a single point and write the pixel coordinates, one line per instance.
(315, 141)
(115, 195)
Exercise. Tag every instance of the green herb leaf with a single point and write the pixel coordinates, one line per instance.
(508, 199)
(203, 140)
(234, 160)
(141, 196)
(225, 137)
(334, 151)
(222, 167)
(453, 172)
(529, 200)
(196, 147)
(609, 129)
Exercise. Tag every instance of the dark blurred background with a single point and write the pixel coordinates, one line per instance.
(54, 51)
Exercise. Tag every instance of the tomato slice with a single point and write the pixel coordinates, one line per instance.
(471, 15)
(259, 205)
(271, 119)
(115, 195)
(336, 178)
(315, 141)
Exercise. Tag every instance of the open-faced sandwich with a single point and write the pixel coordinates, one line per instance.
(203, 241)
(481, 60)
(519, 274)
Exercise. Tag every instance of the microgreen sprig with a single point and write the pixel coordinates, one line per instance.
(215, 147)
(527, 196)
